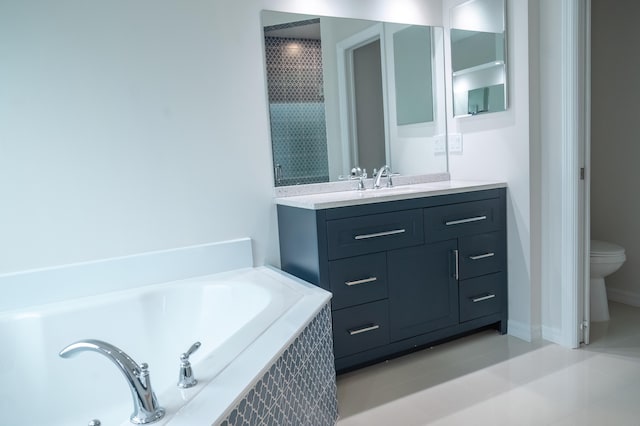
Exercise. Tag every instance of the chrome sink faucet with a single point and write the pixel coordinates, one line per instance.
(378, 176)
(145, 405)
(360, 175)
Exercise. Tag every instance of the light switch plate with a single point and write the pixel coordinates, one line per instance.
(455, 143)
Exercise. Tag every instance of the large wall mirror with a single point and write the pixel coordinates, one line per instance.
(478, 57)
(347, 93)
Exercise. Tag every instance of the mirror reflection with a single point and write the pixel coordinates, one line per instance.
(478, 59)
(346, 93)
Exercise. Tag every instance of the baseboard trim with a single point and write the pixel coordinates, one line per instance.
(520, 330)
(552, 334)
(623, 296)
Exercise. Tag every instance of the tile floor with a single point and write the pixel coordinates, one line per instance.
(488, 379)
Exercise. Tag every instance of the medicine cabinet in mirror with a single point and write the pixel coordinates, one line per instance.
(478, 57)
(347, 93)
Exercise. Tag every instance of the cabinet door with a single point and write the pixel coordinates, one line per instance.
(423, 292)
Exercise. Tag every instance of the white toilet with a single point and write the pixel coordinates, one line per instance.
(606, 258)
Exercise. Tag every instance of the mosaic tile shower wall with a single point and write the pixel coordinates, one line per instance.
(299, 388)
(296, 107)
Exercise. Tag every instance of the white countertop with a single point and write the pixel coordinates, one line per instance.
(405, 192)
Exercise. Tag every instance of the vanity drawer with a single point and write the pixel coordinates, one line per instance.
(357, 280)
(481, 254)
(374, 233)
(455, 220)
(481, 296)
(360, 328)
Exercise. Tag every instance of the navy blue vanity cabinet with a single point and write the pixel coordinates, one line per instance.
(477, 231)
(404, 274)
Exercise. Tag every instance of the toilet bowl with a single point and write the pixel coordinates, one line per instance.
(605, 259)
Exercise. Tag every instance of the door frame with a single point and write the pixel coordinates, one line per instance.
(576, 144)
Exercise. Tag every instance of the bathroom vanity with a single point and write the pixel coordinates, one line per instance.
(408, 267)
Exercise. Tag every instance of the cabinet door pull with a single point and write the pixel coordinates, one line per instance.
(364, 329)
(467, 220)
(363, 281)
(482, 256)
(480, 299)
(456, 255)
(379, 234)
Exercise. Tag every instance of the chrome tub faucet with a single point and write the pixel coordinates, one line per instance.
(145, 405)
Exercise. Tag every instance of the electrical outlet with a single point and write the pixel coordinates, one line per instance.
(455, 143)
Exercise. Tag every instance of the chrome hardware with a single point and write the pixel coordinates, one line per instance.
(456, 254)
(379, 234)
(482, 256)
(363, 281)
(468, 220)
(185, 378)
(378, 176)
(390, 180)
(480, 299)
(359, 174)
(277, 171)
(94, 422)
(145, 405)
(364, 330)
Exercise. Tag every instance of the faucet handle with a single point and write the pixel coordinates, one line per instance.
(389, 179)
(185, 377)
(185, 356)
(360, 175)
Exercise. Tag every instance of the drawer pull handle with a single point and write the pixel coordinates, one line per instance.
(468, 220)
(363, 281)
(482, 256)
(480, 299)
(456, 272)
(364, 330)
(379, 234)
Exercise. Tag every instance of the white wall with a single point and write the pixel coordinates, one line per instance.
(496, 146)
(550, 89)
(535, 166)
(134, 126)
(123, 125)
(615, 139)
(129, 127)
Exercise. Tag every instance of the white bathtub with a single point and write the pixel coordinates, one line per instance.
(243, 318)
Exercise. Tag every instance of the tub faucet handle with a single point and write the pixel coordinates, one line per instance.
(185, 378)
(191, 350)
